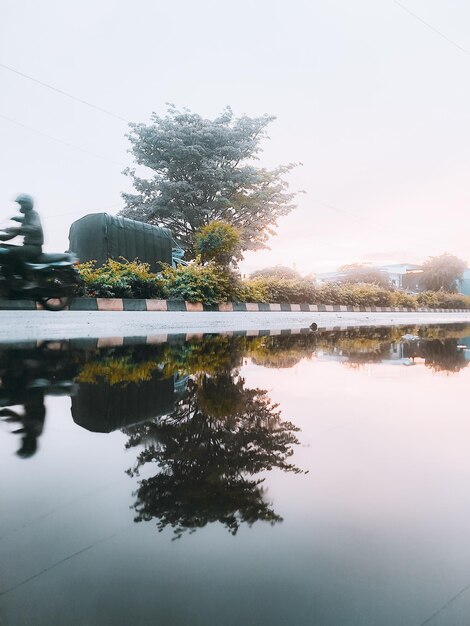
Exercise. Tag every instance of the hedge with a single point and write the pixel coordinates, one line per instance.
(210, 283)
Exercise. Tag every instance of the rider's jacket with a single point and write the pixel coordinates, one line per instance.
(31, 228)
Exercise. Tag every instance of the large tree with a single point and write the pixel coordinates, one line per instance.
(205, 170)
(442, 272)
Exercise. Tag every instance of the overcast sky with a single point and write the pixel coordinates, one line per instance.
(371, 101)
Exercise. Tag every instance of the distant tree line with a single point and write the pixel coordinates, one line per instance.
(439, 273)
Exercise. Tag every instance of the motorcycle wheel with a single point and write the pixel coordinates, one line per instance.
(55, 304)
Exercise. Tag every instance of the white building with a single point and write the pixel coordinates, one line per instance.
(395, 273)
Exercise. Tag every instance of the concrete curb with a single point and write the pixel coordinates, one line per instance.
(123, 304)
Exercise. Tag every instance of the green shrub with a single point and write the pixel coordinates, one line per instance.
(272, 289)
(211, 283)
(353, 294)
(125, 279)
(401, 298)
(443, 300)
(251, 291)
(290, 290)
(218, 241)
(208, 283)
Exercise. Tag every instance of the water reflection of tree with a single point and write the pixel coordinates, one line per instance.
(210, 452)
(441, 355)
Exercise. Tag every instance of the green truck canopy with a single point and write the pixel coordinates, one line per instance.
(99, 237)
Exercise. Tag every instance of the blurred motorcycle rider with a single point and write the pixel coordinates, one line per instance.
(33, 238)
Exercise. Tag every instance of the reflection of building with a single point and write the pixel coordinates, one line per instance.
(442, 355)
(396, 353)
(464, 345)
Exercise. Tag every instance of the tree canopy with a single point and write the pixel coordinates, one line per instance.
(204, 170)
(277, 271)
(442, 272)
(360, 273)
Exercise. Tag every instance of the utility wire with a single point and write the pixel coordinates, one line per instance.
(65, 143)
(64, 93)
(433, 28)
(100, 156)
(351, 215)
(64, 560)
(61, 506)
(445, 606)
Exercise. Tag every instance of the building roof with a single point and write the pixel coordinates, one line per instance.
(399, 268)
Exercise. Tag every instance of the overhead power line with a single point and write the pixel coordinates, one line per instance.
(433, 28)
(65, 143)
(64, 93)
(354, 216)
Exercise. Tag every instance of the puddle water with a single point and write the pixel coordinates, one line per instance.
(309, 478)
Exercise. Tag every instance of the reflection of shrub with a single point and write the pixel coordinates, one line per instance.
(281, 351)
(208, 283)
(126, 279)
(212, 355)
(117, 370)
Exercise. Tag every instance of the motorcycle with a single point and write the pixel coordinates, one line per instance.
(55, 279)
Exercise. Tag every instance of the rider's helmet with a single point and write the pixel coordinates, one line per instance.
(25, 201)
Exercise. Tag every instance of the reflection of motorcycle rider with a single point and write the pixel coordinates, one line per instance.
(27, 376)
(32, 421)
(19, 374)
(31, 229)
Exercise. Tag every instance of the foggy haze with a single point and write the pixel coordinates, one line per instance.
(372, 102)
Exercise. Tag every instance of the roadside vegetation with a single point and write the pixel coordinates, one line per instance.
(211, 283)
(212, 278)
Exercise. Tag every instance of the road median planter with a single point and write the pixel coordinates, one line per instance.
(124, 304)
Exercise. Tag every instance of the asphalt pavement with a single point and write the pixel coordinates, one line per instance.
(16, 326)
